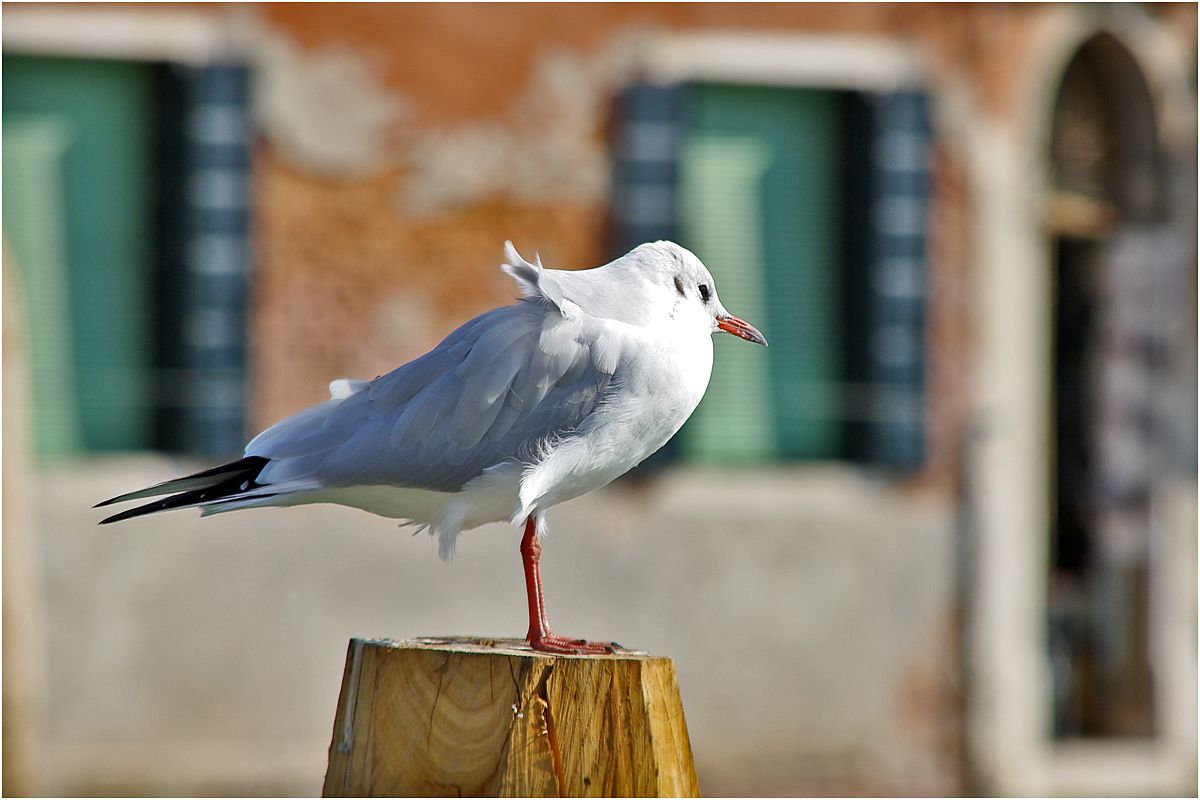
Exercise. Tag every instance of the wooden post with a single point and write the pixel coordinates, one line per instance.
(492, 718)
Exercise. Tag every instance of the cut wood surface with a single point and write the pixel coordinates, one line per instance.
(492, 718)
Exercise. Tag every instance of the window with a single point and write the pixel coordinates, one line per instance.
(1117, 275)
(125, 191)
(809, 206)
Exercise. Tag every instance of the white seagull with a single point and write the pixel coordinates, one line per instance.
(520, 409)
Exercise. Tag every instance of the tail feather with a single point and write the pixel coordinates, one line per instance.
(198, 480)
(227, 480)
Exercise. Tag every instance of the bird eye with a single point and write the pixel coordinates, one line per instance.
(678, 285)
(704, 292)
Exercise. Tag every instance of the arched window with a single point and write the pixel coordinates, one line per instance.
(1118, 313)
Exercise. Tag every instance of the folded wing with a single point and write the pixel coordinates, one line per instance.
(504, 385)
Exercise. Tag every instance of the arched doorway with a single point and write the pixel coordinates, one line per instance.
(1116, 277)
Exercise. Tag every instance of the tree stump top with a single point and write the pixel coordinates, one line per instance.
(474, 716)
(491, 645)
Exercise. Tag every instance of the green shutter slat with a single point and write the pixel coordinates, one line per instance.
(645, 168)
(895, 232)
(212, 202)
(645, 177)
(804, 235)
(35, 228)
(721, 212)
(107, 190)
(796, 244)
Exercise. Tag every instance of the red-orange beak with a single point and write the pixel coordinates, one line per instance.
(740, 328)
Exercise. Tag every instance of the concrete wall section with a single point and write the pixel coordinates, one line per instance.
(806, 610)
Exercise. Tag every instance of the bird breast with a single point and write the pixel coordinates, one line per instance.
(660, 385)
(657, 386)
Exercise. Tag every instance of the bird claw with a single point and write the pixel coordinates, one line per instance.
(565, 645)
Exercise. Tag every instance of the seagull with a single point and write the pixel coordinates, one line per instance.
(520, 409)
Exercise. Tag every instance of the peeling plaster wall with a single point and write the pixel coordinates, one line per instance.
(328, 112)
(325, 110)
(547, 147)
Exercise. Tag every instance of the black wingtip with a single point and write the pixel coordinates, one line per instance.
(225, 480)
(149, 508)
(247, 467)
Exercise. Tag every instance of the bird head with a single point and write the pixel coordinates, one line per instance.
(678, 285)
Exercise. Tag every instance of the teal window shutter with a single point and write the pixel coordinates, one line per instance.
(761, 205)
(127, 198)
(721, 202)
(205, 210)
(645, 181)
(895, 197)
(35, 228)
(104, 112)
(646, 165)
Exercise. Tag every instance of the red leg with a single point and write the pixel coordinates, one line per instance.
(539, 635)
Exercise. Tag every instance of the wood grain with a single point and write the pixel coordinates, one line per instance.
(491, 718)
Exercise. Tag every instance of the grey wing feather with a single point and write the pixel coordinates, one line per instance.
(498, 387)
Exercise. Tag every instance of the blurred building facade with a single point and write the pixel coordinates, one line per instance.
(950, 516)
